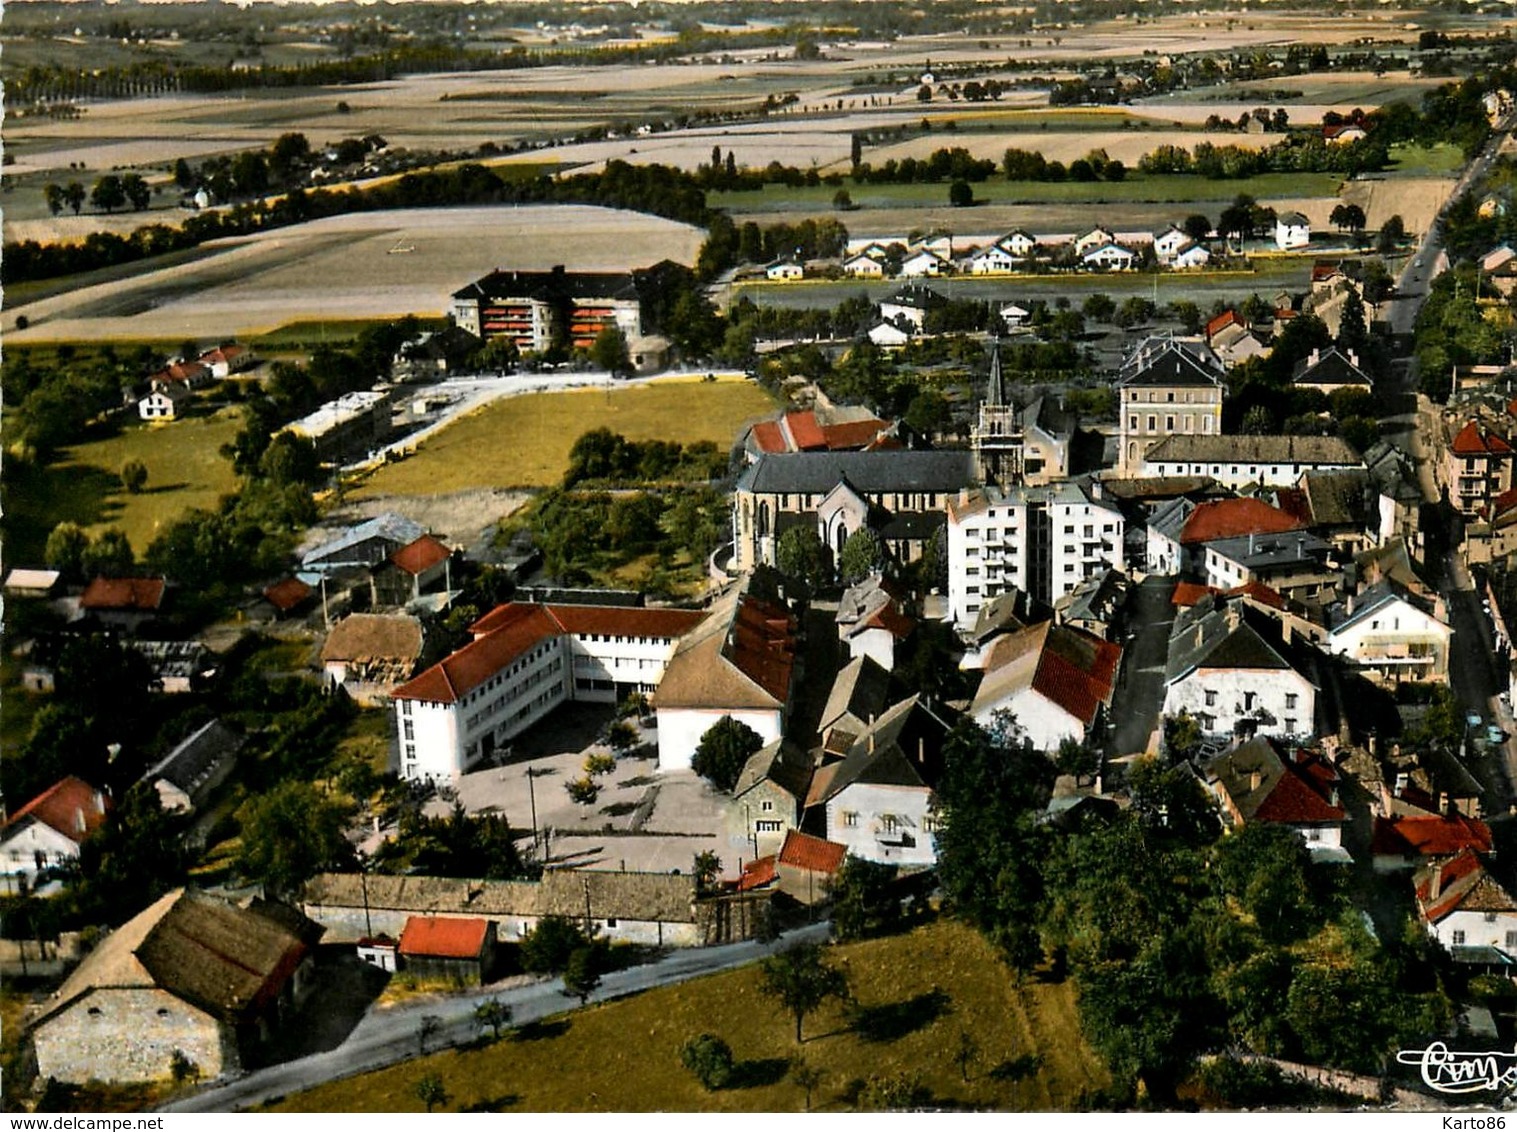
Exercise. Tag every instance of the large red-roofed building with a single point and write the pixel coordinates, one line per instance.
(1477, 469)
(525, 660)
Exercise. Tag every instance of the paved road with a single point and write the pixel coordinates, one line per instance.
(1428, 260)
(1141, 694)
(388, 1037)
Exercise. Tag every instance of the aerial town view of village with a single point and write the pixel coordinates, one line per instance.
(733, 555)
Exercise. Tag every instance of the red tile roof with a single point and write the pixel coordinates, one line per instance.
(1463, 882)
(1476, 441)
(1189, 593)
(455, 676)
(1322, 270)
(286, 595)
(421, 555)
(228, 353)
(1504, 502)
(1301, 796)
(769, 437)
(510, 630)
(444, 937)
(616, 621)
(1222, 322)
(802, 851)
(144, 595)
(756, 874)
(804, 432)
(71, 807)
(1229, 518)
(1078, 692)
(182, 371)
(1408, 836)
(897, 624)
(761, 643)
(853, 434)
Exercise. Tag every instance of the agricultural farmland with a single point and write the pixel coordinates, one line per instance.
(356, 266)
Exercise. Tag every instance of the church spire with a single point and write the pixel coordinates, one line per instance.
(995, 393)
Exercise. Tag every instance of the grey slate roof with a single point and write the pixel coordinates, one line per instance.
(1217, 635)
(858, 696)
(816, 473)
(349, 548)
(782, 763)
(197, 756)
(1377, 597)
(1169, 361)
(1257, 552)
(1339, 498)
(1330, 368)
(1201, 449)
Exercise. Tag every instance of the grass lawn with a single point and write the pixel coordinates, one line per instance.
(1137, 188)
(1442, 160)
(918, 992)
(323, 332)
(525, 441)
(184, 467)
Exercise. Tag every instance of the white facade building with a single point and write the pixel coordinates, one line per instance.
(1044, 541)
(1240, 461)
(1292, 230)
(524, 661)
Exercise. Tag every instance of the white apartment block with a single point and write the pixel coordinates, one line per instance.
(1043, 541)
(524, 661)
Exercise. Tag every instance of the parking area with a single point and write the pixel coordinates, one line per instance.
(641, 820)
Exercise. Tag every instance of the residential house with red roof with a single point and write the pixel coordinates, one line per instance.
(1254, 782)
(1180, 529)
(423, 565)
(455, 949)
(1055, 679)
(740, 662)
(124, 603)
(873, 620)
(831, 428)
(1467, 909)
(872, 793)
(1410, 841)
(192, 976)
(227, 359)
(48, 831)
(1477, 468)
(525, 660)
(189, 375)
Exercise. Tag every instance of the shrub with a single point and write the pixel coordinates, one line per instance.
(583, 790)
(709, 1059)
(599, 764)
(547, 949)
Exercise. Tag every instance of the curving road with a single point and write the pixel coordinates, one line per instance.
(388, 1037)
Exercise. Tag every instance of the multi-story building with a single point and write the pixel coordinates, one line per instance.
(901, 495)
(541, 309)
(1043, 541)
(1166, 387)
(1477, 468)
(1241, 461)
(524, 661)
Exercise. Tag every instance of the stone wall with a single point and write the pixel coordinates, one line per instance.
(130, 1034)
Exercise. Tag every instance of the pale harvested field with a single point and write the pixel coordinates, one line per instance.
(69, 228)
(343, 268)
(1416, 199)
(1126, 146)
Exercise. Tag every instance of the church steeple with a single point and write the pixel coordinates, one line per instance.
(997, 435)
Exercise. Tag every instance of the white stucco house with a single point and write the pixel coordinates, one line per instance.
(924, 264)
(1192, 257)
(48, 831)
(1292, 230)
(993, 260)
(1108, 257)
(1465, 907)
(864, 266)
(1231, 671)
(1392, 635)
(1055, 679)
(1168, 242)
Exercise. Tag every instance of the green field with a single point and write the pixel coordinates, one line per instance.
(525, 441)
(1170, 188)
(185, 469)
(918, 992)
(1442, 160)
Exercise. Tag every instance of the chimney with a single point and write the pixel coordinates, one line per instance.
(1255, 780)
(99, 802)
(921, 750)
(79, 823)
(1332, 796)
(1435, 885)
(871, 742)
(1350, 605)
(1100, 782)
(1314, 357)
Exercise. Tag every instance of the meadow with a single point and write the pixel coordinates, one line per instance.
(916, 994)
(185, 470)
(525, 441)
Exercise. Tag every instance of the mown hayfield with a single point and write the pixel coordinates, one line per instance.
(185, 470)
(525, 441)
(918, 993)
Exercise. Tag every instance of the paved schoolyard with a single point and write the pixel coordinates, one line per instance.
(642, 820)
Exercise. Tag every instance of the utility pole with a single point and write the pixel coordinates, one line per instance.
(532, 802)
